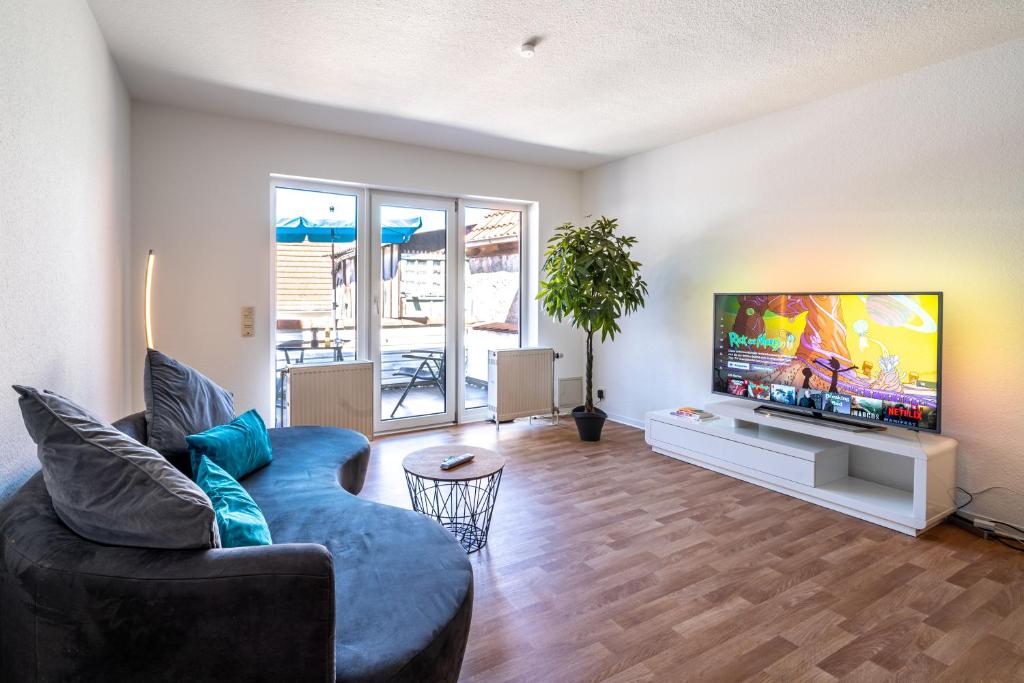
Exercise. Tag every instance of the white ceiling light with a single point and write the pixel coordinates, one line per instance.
(528, 49)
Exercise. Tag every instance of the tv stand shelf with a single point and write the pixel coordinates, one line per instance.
(899, 479)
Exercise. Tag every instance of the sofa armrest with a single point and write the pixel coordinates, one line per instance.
(261, 613)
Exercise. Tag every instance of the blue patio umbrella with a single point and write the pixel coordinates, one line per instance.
(301, 229)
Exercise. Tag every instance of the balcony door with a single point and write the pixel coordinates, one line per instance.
(414, 310)
(436, 285)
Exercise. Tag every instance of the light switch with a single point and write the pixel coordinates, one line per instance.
(248, 321)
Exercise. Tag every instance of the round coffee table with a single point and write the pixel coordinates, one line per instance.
(460, 499)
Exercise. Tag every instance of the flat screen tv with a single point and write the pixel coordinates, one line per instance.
(871, 357)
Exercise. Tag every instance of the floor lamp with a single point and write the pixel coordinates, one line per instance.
(150, 263)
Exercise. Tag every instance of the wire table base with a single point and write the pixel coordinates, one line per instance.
(463, 507)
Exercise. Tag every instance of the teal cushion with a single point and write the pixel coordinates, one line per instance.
(240, 447)
(239, 518)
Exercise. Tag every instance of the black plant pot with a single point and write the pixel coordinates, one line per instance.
(589, 425)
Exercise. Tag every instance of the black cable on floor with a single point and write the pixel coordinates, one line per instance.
(1008, 542)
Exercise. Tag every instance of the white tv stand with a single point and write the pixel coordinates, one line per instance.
(899, 479)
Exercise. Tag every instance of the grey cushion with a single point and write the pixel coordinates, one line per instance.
(109, 488)
(181, 401)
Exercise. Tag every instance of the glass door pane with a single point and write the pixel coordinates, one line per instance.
(491, 282)
(413, 341)
(314, 263)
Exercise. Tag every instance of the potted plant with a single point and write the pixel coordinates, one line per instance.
(591, 280)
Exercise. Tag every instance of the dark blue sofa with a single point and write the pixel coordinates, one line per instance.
(350, 591)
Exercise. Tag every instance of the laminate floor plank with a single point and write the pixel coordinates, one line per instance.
(608, 562)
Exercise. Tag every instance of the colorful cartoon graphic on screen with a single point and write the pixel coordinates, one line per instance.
(759, 391)
(871, 356)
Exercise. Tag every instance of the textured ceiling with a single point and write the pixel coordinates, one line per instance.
(609, 78)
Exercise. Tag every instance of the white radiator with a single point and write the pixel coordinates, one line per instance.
(332, 395)
(520, 383)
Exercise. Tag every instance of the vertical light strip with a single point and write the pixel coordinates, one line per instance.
(150, 262)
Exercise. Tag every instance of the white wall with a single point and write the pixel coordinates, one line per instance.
(200, 199)
(63, 217)
(913, 183)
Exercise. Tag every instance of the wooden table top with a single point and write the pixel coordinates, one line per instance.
(426, 462)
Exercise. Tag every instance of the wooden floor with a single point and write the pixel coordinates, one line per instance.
(607, 561)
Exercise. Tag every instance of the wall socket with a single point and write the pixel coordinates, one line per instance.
(600, 394)
(248, 321)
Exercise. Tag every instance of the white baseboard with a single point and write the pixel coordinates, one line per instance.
(628, 421)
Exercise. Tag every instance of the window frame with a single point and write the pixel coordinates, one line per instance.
(529, 250)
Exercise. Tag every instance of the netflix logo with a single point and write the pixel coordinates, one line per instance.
(903, 413)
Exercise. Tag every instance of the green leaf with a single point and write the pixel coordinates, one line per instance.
(591, 279)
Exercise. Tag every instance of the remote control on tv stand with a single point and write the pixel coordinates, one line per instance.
(456, 460)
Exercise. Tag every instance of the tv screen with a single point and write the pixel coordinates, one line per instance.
(871, 357)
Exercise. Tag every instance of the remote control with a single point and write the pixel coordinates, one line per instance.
(456, 460)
